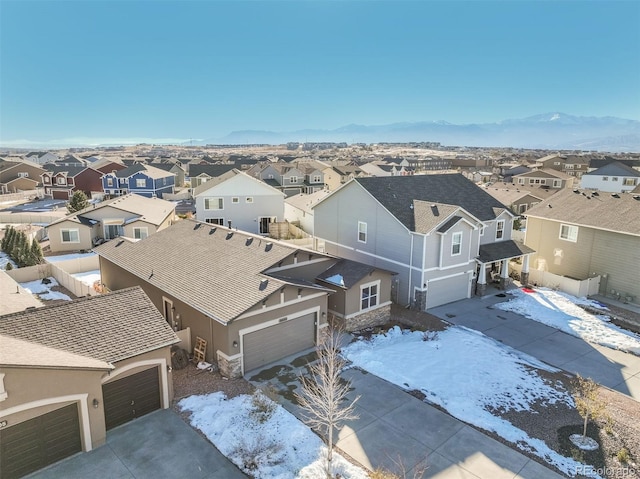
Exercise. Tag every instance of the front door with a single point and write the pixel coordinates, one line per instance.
(265, 221)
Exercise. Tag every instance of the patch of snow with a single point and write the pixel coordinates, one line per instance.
(584, 442)
(43, 291)
(65, 257)
(88, 277)
(4, 260)
(469, 375)
(336, 279)
(228, 424)
(561, 311)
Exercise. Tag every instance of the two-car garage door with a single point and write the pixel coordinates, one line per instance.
(275, 342)
(448, 290)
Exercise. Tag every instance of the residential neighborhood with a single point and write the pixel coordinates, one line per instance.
(140, 315)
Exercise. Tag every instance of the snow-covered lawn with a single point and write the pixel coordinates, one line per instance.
(561, 311)
(65, 257)
(279, 446)
(4, 259)
(88, 277)
(43, 291)
(469, 375)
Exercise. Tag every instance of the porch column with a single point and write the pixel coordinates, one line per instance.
(481, 286)
(524, 274)
(504, 274)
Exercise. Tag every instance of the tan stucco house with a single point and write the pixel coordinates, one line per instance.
(70, 372)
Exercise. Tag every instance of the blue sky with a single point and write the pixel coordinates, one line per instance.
(201, 69)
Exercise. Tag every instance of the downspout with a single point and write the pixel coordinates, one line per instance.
(424, 255)
(410, 271)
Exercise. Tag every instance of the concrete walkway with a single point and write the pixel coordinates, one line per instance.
(611, 368)
(400, 433)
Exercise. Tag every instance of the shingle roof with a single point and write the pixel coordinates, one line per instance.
(429, 215)
(350, 272)
(615, 168)
(512, 194)
(215, 181)
(105, 328)
(215, 270)
(451, 222)
(502, 250)
(209, 170)
(71, 171)
(397, 193)
(613, 212)
(150, 171)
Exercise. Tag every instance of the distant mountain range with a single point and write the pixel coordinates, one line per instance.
(547, 131)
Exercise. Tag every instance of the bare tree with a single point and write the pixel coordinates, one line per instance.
(586, 394)
(324, 392)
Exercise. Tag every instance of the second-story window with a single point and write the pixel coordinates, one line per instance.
(500, 229)
(141, 182)
(213, 204)
(362, 232)
(109, 181)
(456, 244)
(317, 179)
(293, 179)
(61, 180)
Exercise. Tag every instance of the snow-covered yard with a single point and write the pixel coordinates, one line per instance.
(4, 259)
(471, 376)
(43, 290)
(562, 311)
(88, 277)
(264, 445)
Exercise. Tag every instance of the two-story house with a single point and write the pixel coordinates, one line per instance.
(61, 182)
(571, 165)
(545, 178)
(240, 201)
(441, 234)
(284, 177)
(201, 173)
(19, 176)
(41, 157)
(615, 177)
(337, 175)
(313, 177)
(141, 179)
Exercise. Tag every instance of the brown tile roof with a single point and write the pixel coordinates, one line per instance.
(103, 329)
(215, 270)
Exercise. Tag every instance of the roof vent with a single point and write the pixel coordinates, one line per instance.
(119, 243)
(595, 193)
(229, 235)
(576, 190)
(615, 195)
(248, 242)
(268, 246)
(636, 197)
(550, 206)
(263, 284)
(434, 210)
(198, 225)
(212, 230)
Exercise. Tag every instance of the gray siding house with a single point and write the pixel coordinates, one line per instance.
(441, 234)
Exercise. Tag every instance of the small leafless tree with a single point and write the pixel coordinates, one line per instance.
(324, 393)
(586, 394)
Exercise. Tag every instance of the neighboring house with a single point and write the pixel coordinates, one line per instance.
(253, 300)
(385, 169)
(435, 163)
(335, 176)
(571, 165)
(596, 163)
(481, 176)
(237, 200)
(546, 178)
(299, 209)
(61, 182)
(19, 176)
(438, 232)
(105, 165)
(41, 157)
(201, 173)
(615, 177)
(313, 177)
(133, 216)
(582, 234)
(72, 371)
(508, 173)
(141, 179)
(284, 177)
(518, 200)
(174, 168)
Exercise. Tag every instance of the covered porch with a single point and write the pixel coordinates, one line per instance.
(493, 265)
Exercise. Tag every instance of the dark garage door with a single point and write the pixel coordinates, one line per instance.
(131, 397)
(38, 442)
(60, 194)
(275, 342)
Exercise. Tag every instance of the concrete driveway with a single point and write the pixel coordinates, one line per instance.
(400, 433)
(611, 368)
(155, 446)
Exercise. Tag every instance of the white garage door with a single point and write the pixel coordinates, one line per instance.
(276, 342)
(447, 290)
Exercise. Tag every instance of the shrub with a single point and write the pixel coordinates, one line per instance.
(262, 408)
(258, 452)
(623, 455)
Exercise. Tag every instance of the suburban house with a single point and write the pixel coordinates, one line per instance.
(72, 371)
(596, 163)
(105, 165)
(252, 300)
(141, 179)
(615, 177)
(335, 176)
(174, 168)
(384, 169)
(298, 209)
(201, 173)
(61, 182)
(19, 176)
(133, 216)
(517, 199)
(441, 234)
(289, 179)
(41, 157)
(570, 165)
(582, 234)
(545, 178)
(239, 200)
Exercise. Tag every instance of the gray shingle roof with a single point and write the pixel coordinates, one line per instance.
(215, 270)
(209, 170)
(615, 168)
(349, 271)
(613, 212)
(105, 328)
(397, 194)
(502, 250)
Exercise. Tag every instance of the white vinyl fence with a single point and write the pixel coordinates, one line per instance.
(575, 287)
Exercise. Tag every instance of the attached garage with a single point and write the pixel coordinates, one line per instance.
(131, 397)
(38, 442)
(60, 194)
(448, 290)
(278, 341)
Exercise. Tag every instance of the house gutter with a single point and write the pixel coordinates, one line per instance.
(410, 270)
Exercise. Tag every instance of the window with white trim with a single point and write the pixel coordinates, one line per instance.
(557, 183)
(456, 244)
(317, 179)
(215, 221)
(3, 391)
(213, 204)
(362, 232)
(46, 179)
(569, 233)
(70, 236)
(629, 182)
(605, 178)
(140, 233)
(248, 199)
(61, 180)
(293, 179)
(500, 229)
(141, 182)
(369, 295)
(109, 181)
(521, 181)
(235, 199)
(23, 174)
(615, 178)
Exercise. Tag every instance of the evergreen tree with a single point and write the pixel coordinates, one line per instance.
(36, 253)
(18, 250)
(8, 267)
(25, 253)
(7, 241)
(78, 201)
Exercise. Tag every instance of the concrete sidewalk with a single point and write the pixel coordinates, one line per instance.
(398, 432)
(611, 368)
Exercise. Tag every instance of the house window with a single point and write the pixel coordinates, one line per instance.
(249, 199)
(557, 183)
(521, 181)
(317, 179)
(556, 163)
(362, 232)
(46, 179)
(615, 178)
(369, 295)
(500, 229)
(482, 231)
(23, 174)
(629, 182)
(215, 221)
(70, 236)
(141, 183)
(293, 179)
(235, 199)
(140, 233)
(569, 167)
(109, 181)
(269, 176)
(569, 233)
(605, 178)
(213, 204)
(456, 244)
(60, 180)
